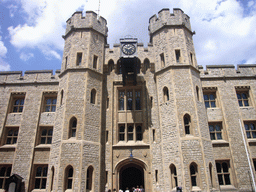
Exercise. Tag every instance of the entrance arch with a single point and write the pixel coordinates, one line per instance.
(130, 176)
(131, 173)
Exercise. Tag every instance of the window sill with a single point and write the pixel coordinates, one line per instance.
(246, 107)
(253, 140)
(195, 188)
(227, 188)
(40, 146)
(8, 146)
(130, 143)
(219, 141)
(38, 190)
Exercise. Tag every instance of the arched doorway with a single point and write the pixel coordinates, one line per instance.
(131, 175)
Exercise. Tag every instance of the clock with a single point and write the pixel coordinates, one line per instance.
(128, 49)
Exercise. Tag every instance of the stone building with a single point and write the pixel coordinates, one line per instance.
(129, 115)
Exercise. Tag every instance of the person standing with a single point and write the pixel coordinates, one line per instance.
(127, 189)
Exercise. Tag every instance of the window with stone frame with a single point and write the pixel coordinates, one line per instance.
(166, 94)
(95, 61)
(254, 164)
(93, 96)
(210, 99)
(5, 173)
(10, 135)
(46, 135)
(250, 128)
(187, 124)
(243, 97)
(223, 172)
(17, 102)
(68, 177)
(194, 174)
(162, 59)
(72, 127)
(130, 99)
(79, 59)
(174, 177)
(40, 176)
(215, 129)
(89, 178)
(50, 102)
(130, 132)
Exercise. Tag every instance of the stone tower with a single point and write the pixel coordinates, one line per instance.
(78, 129)
(183, 124)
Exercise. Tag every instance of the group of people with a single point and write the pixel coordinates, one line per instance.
(137, 189)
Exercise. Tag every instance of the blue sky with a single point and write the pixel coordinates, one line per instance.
(31, 30)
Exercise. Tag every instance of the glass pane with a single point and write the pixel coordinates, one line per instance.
(20, 109)
(74, 123)
(138, 129)
(44, 132)
(187, 131)
(193, 180)
(186, 121)
(219, 136)
(244, 96)
(121, 104)
(9, 169)
(50, 132)
(130, 136)
(73, 134)
(121, 129)
(246, 126)
(212, 136)
(218, 166)
(15, 109)
(227, 180)
(138, 104)
(54, 101)
(240, 103)
(206, 97)
(16, 132)
(53, 108)
(21, 101)
(211, 128)
(1, 183)
(2, 172)
(220, 180)
(246, 103)
(252, 126)
(49, 140)
(37, 184)
(121, 137)
(43, 140)
(248, 134)
(212, 97)
(47, 109)
(39, 171)
(225, 167)
(17, 102)
(238, 96)
(192, 170)
(254, 134)
(129, 104)
(213, 104)
(45, 171)
(70, 172)
(10, 133)
(43, 184)
(8, 141)
(139, 137)
(217, 128)
(130, 129)
(69, 184)
(14, 140)
(48, 101)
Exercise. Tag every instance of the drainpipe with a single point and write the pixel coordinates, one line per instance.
(248, 157)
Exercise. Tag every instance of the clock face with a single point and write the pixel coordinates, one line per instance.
(128, 49)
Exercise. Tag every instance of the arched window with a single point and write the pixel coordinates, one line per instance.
(166, 94)
(72, 127)
(187, 121)
(89, 178)
(93, 96)
(52, 177)
(68, 177)
(110, 65)
(121, 100)
(197, 93)
(174, 178)
(193, 174)
(61, 96)
(210, 172)
(138, 133)
(146, 64)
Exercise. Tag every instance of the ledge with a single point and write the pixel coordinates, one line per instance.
(220, 142)
(130, 144)
(227, 188)
(7, 146)
(43, 146)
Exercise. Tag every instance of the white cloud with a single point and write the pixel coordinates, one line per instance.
(26, 56)
(4, 66)
(3, 49)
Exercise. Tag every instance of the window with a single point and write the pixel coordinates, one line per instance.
(146, 64)
(126, 100)
(162, 60)
(210, 99)
(250, 128)
(110, 65)
(197, 93)
(66, 62)
(192, 58)
(215, 130)
(40, 176)
(211, 171)
(254, 163)
(18, 103)
(177, 54)
(166, 94)
(68, 177)
(243, 98)
(93, 96)
(50, 104)
(5, 173)
(72, 127)
(154, 135)
(193, 174)
(223, 172)
(61, 96)
(89, 178)
(52, 177)
(130, 132)
(95, 61)
(11, 135)
(156, 175)
(186, 120)
(79, 59)
(174, 178)
(46, 135)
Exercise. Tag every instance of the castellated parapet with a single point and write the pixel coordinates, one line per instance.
(167, 19)
(90, 21)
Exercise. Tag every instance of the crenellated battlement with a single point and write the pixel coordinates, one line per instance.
(90, 21)
(165, 18)
(215, 71)
(37, 76)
